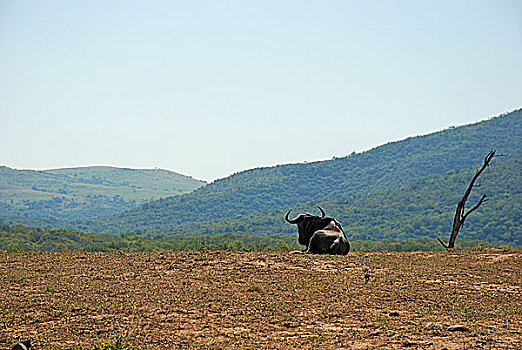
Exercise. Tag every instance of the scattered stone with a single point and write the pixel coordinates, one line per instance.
(394, 314)
(433, 327)
(458, 328)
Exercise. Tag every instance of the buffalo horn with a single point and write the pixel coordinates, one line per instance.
(322, 212)
(293, 221)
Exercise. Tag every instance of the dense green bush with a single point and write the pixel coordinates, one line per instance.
(24, 238)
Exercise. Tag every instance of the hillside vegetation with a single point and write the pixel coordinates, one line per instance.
(24, 238)
(386, 167)
(87, 192)
(421, 208)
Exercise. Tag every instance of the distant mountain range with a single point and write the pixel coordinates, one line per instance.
(402, 189)
(85, 192)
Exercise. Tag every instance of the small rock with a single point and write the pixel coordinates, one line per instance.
(458, 328)
(433, 326)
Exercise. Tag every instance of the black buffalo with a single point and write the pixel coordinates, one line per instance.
(320, 234)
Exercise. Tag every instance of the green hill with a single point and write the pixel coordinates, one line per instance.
(87, 192)
(421, 208)
(386, 167)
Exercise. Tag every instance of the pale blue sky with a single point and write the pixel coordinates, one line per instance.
(209, 88)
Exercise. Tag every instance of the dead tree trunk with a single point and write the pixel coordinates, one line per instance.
(460, 216)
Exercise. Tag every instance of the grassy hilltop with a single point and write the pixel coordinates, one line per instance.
(86, 192)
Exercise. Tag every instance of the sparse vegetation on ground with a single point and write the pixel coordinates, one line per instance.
(220, 300)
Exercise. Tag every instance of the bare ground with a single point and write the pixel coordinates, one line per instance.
(469, 299)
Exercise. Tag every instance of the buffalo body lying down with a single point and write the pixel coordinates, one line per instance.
(320, 234)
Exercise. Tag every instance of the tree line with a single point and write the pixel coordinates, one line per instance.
(24, 238)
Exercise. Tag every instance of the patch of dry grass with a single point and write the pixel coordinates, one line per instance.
(262, 300)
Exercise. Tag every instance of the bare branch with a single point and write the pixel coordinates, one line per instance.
(487, 160)
(482, 200)
(460, 215)
(441, 242)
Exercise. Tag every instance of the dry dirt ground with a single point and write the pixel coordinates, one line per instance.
(214, 300)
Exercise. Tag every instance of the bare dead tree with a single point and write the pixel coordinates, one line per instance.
(460, 216)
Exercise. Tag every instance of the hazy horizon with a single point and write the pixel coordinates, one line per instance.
(209, 89)
(259, 166)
